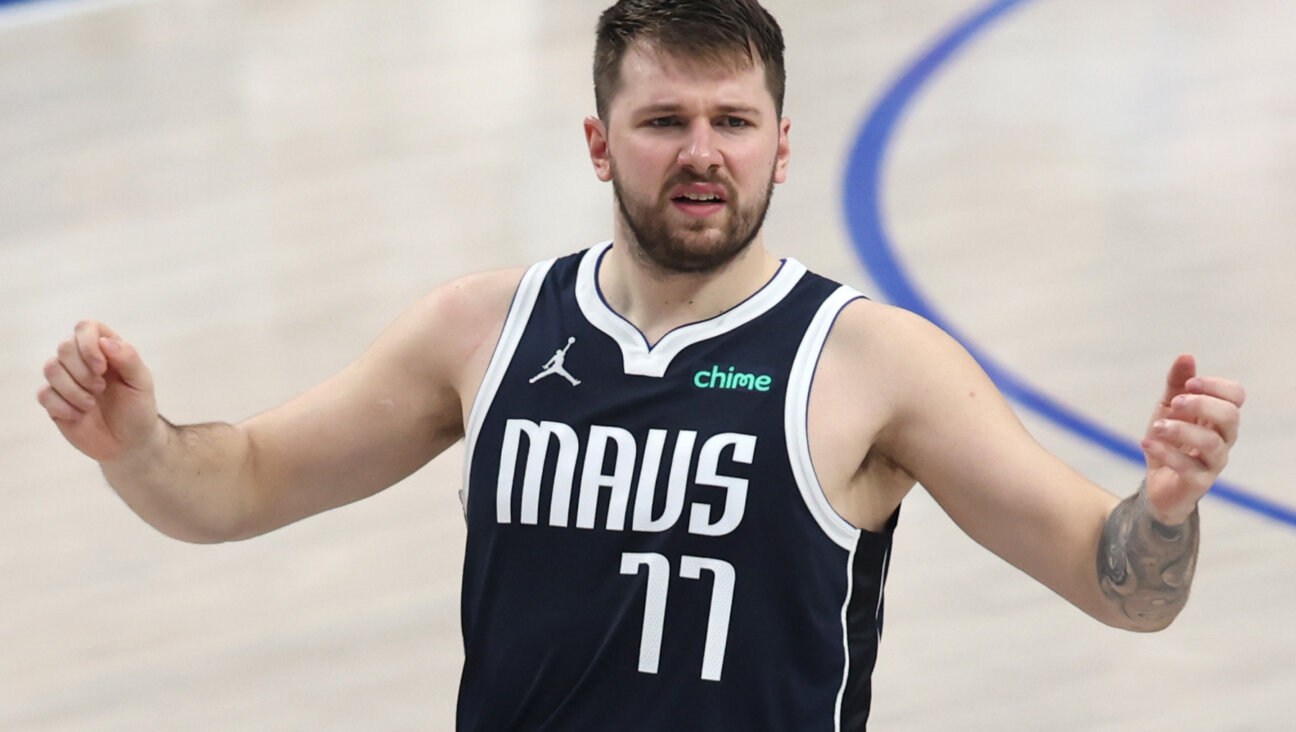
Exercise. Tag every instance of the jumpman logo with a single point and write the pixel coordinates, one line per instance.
(555, 365)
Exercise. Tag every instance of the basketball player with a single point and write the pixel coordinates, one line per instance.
(685, 456)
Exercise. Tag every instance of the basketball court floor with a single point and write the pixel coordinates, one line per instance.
(249, 191)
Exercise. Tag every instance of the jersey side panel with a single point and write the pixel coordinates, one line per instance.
(861, 614)
(515, 322)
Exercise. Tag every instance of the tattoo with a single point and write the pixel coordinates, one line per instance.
(1145, 566)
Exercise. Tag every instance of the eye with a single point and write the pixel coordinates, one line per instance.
(663, 122)
(734, 123)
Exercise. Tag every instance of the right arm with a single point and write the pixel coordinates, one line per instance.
(378, 420)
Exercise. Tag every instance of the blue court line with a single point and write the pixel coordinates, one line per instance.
(862, 201)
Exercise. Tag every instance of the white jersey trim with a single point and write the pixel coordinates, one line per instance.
(514, 326)
(640, 359)
(796, 426)
(877, 610)
(845, 626)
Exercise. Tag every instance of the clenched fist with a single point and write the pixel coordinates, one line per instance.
(100, 394)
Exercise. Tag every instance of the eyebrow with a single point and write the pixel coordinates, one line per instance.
(673, 108)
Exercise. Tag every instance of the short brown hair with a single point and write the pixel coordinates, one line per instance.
(712, 31)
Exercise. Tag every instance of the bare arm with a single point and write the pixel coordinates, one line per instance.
(948, 426)
(375, 422)
(1145, 567)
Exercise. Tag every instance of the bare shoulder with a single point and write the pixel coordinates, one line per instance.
(907, 374)
(896, 351)
(475, 295)
(929, 396)
(454, 327)
(471, 306)
(866, 381)
(868, 324)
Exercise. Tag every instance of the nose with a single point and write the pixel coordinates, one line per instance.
(699, 152)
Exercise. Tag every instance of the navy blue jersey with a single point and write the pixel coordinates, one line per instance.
(648, 545)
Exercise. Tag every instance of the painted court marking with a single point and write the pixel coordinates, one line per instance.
(864, 219)
(18, 13)
(862, 202)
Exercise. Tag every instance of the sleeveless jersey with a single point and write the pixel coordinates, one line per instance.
(648, 546)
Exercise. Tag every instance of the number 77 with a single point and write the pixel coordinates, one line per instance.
(717, 636)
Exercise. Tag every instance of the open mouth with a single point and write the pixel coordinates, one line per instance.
(701, 201)
(700, 198)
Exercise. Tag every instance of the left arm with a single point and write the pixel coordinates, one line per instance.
(951, 429)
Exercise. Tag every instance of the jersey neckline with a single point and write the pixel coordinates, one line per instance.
(641, 359)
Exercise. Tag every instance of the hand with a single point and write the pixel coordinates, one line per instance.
(99, 393)
(1188, 440)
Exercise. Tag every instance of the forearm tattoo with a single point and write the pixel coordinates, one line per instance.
(1145, 566)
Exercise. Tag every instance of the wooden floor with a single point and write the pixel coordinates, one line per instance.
(249, 191)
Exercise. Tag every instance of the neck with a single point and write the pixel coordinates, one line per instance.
(656, 301)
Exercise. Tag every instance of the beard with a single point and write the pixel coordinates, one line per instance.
(696, 247)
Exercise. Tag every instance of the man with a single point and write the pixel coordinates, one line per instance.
(690, 529)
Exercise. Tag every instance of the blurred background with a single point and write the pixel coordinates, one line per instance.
(250, 191)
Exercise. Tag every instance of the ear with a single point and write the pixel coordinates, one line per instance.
(596, 139)
(784, 151)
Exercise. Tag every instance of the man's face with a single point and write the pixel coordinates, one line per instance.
(693, 152)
